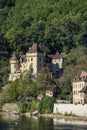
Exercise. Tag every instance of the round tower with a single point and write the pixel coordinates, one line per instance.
(14, 63)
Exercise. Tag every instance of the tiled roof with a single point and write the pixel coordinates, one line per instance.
(34, 49)
(56, 55)
(82, 74)
(84, 90)
(51, 87)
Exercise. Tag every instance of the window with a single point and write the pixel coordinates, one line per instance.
(40, 64)
(76, 86)
(39, 59)
(27, 59)
(75, 92)
(59, 60)
(31, 59)
(56, 109)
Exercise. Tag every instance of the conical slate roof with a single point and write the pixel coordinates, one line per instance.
(14, 57)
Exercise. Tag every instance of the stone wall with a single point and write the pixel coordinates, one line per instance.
(79, 109)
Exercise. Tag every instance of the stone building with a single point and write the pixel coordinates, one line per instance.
(34, 60)
(52, 90)
(56, 64)
(80, 88)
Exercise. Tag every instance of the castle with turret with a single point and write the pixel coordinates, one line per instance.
(34, 60)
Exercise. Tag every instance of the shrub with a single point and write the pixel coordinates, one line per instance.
(46, 105)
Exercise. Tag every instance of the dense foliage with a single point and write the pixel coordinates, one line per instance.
(24, 92)
(74, 63)
(60, 23)
(46, 105)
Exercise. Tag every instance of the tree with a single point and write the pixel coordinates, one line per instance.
(42, 79)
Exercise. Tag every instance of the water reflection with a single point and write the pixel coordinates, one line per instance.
(39, 123)
(10, 117)
(68, 121)
(29, 123)
(67, 124)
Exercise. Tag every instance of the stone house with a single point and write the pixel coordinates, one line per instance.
(52, 90)
(80, 88)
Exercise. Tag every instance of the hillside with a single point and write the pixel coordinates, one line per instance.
(53, 24)
(60, 23)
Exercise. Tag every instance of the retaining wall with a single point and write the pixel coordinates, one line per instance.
(79, 109)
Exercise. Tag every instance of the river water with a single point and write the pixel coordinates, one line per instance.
(39, 123)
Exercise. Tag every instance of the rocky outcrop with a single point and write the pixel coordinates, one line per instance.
(11, 108)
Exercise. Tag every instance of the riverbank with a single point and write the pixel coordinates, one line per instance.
(13, 110)
(57, 116)
(79, 118)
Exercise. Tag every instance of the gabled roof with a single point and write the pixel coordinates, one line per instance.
(34, 49)
(56, 55)
(83, 90)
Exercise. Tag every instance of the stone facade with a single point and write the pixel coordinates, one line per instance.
(80, 88)
(34, 60)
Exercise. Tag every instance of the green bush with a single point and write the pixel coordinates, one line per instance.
(23, 107)
(46, 105)
(28, 106)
